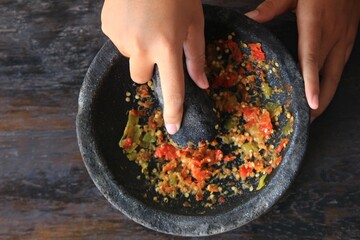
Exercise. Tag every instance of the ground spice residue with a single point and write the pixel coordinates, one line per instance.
(245, 150)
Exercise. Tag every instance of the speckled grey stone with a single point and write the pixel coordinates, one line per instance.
(102, 117)
(199, 118)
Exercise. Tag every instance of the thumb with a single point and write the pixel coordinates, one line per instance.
(269, 9)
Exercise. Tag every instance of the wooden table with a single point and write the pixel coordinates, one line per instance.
(45, 190)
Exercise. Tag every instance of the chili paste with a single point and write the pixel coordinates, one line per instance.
(245, 150)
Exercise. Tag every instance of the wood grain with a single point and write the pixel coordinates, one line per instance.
(45, 190)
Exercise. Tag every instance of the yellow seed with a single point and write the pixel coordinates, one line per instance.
(128, 94)
(127, 99)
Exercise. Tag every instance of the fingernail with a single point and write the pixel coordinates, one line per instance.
(205, 81)
(315, 101)
(172, 128)
(252, 14)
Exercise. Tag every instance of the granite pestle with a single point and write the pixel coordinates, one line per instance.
(199, 118)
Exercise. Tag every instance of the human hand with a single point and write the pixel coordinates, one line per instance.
(327, 31)
(158, 32)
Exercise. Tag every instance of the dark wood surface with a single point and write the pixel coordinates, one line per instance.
(45, 190)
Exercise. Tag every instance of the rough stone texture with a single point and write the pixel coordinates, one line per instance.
(199, 119)
(101, 117)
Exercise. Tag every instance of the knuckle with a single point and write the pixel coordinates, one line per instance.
(196, 59)
(175, 101)
(311, 58)
(269, 5)
(138, 48)
(196, 65)
(169, 45)
(270, 8)
(173, 106)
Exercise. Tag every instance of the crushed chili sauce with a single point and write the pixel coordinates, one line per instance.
(244, 151)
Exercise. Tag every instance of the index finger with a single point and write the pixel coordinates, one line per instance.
(309, 28)
(172, 85)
